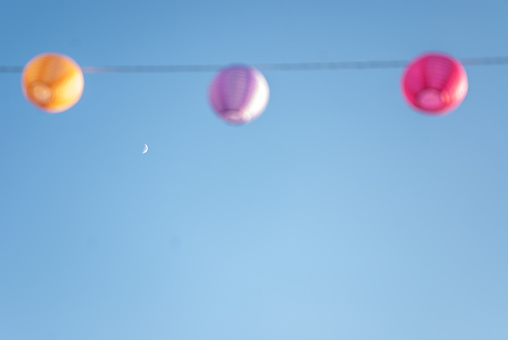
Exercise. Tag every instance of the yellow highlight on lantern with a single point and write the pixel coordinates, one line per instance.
(53, 82)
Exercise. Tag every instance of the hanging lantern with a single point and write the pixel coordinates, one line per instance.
(239, 94)
(434, 83)
(52, 82)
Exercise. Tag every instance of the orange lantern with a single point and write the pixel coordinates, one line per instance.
(52, 82)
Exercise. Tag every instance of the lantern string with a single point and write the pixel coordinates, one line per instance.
(341, 65)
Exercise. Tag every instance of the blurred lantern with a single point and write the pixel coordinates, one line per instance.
(434, 83)
(52, 82)
(239, 94)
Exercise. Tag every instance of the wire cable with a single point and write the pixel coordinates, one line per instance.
(341, 65)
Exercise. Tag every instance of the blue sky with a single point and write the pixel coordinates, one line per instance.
(339, 214)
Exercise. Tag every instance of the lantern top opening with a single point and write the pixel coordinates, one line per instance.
(431, 99)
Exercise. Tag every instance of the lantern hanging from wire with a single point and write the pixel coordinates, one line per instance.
(239, 94)
(52, 82)
(434, 83)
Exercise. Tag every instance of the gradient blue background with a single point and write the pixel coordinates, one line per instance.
(339, 214)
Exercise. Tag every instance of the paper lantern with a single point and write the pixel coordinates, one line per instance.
(52, 82)
(434, 83)
(239, 94)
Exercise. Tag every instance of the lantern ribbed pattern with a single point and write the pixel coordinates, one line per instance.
(239, 94)
(52, 82)
(434, 83)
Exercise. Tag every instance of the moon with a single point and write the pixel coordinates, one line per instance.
(145, 149)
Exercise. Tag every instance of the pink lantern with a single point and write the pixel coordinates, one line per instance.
(239, 94)
(434, 83)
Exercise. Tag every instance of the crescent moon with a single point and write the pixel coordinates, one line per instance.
(145, 149)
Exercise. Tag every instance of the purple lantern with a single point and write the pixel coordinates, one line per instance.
(239, 94)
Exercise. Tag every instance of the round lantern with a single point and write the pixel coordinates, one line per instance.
(239, 94)
(52, 82)
(434, 83)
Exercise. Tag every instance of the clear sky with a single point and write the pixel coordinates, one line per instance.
(339, 214)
